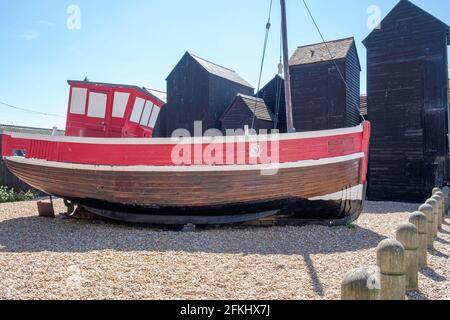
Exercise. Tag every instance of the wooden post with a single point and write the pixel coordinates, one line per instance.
(435, 190)
(408, 235)
(45, 209)
(446, 191)
(440, 202)
(432, 202)
(419, 219)
(360, 284)
(442, 212)
(391, 261)
(427, 209)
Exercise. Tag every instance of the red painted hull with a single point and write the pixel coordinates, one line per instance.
(318, 175)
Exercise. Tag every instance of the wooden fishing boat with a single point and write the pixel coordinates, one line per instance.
(313, 175)
(319, 175)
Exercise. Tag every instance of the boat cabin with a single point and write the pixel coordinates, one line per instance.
(112, 110)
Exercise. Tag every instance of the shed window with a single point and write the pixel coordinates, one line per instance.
(97, 105)
(154, 117)
(147, 112)
(120, 104)
(137, 110)
(78, 103)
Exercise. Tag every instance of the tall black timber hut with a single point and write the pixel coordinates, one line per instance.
(198, 90)
(321, 99)
(274, 97)
(407, 104)
(246, 111)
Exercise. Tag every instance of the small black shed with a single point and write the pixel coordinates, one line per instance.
(407, 94)
(198, 90)
(325, 80)
(245, 111)
(274, 97)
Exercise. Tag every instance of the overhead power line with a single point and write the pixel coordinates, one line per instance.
(32, 111)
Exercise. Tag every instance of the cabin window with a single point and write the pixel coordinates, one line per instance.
(78, 103)
(97, 105)
(146, 114)
(137, 110)
(120, 104)
(154, 117)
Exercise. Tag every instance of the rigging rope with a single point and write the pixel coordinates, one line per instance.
(268, 25)
(32, 111)
(329, 51)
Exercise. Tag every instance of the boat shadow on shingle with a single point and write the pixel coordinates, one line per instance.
(34, 234)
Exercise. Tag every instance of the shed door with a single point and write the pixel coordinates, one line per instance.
(436, 150)
(436, 122)
(336, 98)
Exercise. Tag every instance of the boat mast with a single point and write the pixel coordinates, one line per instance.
(287, 75)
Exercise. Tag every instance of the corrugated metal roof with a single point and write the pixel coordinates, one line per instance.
(319, 52)
(220, 71)
(160, 95)
(363, 105)
(30, 130)
(258, 107)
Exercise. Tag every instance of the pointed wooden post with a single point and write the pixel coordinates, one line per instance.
(408, 235)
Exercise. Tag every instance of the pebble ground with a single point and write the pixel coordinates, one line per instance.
(67, 259)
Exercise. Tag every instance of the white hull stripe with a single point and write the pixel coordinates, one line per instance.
(355, 193)
(268, 168)
(165, 141)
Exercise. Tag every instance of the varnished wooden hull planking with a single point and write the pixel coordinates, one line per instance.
(319, 175)
(301, 191)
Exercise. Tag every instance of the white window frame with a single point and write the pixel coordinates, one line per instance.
(97, 105)
(154, 117)
(146, 114)
(138, 108)
(78, 101)
(120, 104)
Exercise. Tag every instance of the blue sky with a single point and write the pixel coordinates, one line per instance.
(140, 41)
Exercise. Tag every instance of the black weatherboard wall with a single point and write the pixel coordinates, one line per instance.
(326, 88)
(245, 111)
(198, 90)
(274, 97)
(407, 104)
